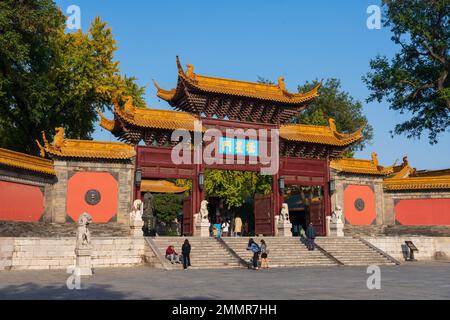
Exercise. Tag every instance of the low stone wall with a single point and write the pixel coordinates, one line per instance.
(58, 253)
(429, 247)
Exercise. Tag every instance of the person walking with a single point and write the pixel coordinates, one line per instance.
(253, 247)
(311, 235)
(264, 252)
(186, 251)
(237, 226)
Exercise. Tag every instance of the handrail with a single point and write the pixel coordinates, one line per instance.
(329, 255)
(242, 261)
(384, 254)
(158, 253)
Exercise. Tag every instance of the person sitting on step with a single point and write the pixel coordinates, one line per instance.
(172, 255)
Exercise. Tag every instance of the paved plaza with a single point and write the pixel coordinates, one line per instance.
(409, 281)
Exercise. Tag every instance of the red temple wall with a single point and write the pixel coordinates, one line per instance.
(422, 212)
(107, 186)
(20, 202)
(358, 216)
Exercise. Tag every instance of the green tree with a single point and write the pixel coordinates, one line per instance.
(334, 103)
(416, 80)
(166, 206)
(235, 187)
(49, 78)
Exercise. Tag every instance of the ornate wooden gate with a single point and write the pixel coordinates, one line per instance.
(263, 211)
(316, 216)
(188, 217)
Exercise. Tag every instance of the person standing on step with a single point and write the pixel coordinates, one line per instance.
(225, 228)
(264, 252)
(186, 251)
(311, 235)
(237, 226)
(256, 250)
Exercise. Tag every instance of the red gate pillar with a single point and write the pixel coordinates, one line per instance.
(277, 199)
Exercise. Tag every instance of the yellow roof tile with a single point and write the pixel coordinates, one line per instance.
(319, 134)
(407, 178)
(149, 118)
(24, 161)
(360, 166)
(62, 147)
(270, 92)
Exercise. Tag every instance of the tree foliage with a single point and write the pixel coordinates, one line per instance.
(49, 78)
(416, 80)
(166, 206)
(334, 103)
(235, 187)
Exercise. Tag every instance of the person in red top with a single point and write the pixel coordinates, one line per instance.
(172, 255)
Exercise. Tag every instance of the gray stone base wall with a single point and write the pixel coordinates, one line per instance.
(429, 247)
(58, 253)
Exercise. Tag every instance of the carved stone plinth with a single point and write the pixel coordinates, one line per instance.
(83, 265)
(202, 229)
(136, 228)
(284, 229)
(336, 229)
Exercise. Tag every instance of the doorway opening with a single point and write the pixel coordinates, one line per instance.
(231, 194)
(305, 206)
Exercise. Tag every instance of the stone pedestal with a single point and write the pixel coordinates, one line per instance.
(83, 265)
(284, 229)
(336, 229)
(136, 228)
(202, 229)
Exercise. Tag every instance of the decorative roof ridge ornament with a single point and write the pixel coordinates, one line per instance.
(105, 123)
(179, 66)
(375, 159)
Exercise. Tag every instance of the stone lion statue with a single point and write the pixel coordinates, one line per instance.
(204, 210)
(138, 210)
(83, 234)
(284, 215)
(337, 215)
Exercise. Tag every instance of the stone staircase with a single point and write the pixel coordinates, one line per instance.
(352, 251)
(283, 252)
(206, 253)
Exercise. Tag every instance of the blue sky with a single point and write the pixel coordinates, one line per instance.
(301, 40)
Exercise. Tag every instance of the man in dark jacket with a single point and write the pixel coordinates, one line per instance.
(186, 251)
(311, 235)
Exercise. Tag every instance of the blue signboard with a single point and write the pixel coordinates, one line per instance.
(238, 147)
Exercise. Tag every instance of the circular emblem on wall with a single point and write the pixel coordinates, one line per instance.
(359, 204)
(92, 197)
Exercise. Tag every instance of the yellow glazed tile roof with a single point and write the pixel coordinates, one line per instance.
(62, 147)
(319, 134)
(270, 92)
(149, 118)
(24, 161)
(407, 178)
(360, 166)
(161, 186)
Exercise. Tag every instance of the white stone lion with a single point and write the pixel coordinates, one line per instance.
(83, 234)
(337, 215)
(284, 215)
(204, 210)
(138, 210)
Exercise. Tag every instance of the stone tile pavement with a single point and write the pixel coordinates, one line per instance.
(420, 280)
